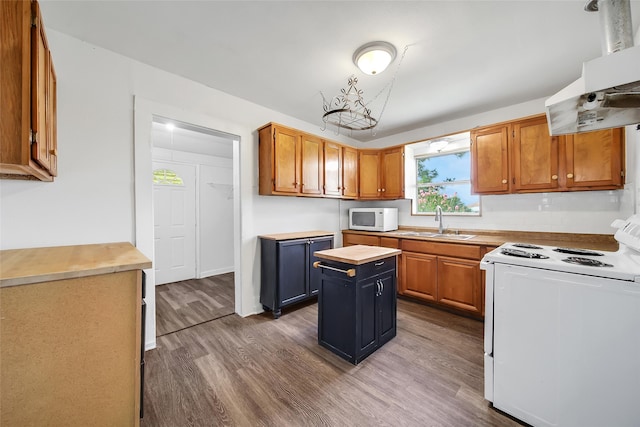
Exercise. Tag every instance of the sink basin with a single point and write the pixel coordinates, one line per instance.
(437, 235)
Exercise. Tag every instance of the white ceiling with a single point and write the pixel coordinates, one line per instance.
(464, 57)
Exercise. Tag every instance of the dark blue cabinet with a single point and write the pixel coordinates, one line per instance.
(357, 315)
(287, 273)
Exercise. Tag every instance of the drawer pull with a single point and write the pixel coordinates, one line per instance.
(378, 264)
(350, 272)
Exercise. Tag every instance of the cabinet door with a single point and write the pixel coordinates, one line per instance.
(419, 276)
(315, 274)
(312, 169)
(595, 159)
(367, 329)
(387, 307)
(41, 148)
(369, 180)
(393, 173)
(332, 169)
(292, 270)
(349, 172)
(535, 156)
(52, 119)
(286, 155)
(459, 284)
(490, 160)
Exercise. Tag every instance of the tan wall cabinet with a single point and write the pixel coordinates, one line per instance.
(71, 345)
(340, 171)
(349, 172)
(521, 157)
(381, 173)
(290, 162)
(27, 94)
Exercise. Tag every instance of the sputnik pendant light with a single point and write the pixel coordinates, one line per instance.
(373, 58)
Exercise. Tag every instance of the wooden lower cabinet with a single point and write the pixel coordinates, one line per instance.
(419, 276)
(459, 284)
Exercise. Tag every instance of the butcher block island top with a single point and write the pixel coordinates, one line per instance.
(357, 254)
(36, 265)
(296, 235)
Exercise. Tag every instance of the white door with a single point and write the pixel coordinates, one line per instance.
(174, 213)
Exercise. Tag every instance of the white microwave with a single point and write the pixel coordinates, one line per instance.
(373, 219)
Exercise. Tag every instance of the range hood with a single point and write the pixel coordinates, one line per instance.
(608, 93)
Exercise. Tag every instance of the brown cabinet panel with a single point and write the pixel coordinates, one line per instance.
(393, 173)
(459, 284)
(419, 276)
(368, 171)
(349, 172)
(360, 239)
(27, 95)
(535, 156)
(333, 165)
(312, 166)
(447, 249)
(490, 160)
(595, 159)
(286, 159)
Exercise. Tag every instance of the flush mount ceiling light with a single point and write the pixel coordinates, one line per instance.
(373, 58)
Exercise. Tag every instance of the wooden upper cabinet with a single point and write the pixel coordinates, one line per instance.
(286, 158)
(534, 156)
(27, 95)
(312, 165)
(369, 174)
(381, 173)
(490, 160)
(521, 157)
(349, 172)
(392, 161)
(290, 162)
(333, 164)
(594, 159)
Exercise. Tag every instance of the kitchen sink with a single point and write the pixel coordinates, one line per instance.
(436, 235)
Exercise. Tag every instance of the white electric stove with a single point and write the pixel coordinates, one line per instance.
(562, 332)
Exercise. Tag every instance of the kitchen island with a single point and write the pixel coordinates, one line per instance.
(356, 299)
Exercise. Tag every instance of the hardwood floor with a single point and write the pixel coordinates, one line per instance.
(187, 303)
(257, 371)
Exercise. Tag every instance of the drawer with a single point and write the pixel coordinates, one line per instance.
(360, 239)
(376, 267)
(390, 242)
(447, 249)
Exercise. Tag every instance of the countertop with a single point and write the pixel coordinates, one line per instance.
(36, 265)
(357, 254)
(296, 235)
(496, 238)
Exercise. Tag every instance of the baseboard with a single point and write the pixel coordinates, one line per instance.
(215, 272)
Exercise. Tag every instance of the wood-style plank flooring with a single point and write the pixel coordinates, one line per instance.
(257, 371)
(187, 303)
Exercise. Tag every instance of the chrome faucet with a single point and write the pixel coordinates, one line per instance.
(439, 218)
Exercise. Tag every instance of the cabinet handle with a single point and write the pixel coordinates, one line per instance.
(504, 181)
(350, 272)
(53, 152)
(378, 264)
(569, 175)
(378, 287)
(554, 177)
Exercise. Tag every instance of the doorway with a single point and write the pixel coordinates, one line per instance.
(192, 223)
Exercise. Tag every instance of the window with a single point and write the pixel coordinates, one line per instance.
(166, 177)
(443, 176)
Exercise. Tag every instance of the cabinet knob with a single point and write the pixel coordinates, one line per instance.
(504, 181)
(379, 190)
(569, 175)
(554, 177)
(384, 189)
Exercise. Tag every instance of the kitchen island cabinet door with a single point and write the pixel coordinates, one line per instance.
(366, 323)
(387, 302)
(459, 284)
(490, 160)
(595, 159)
(419, 276)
